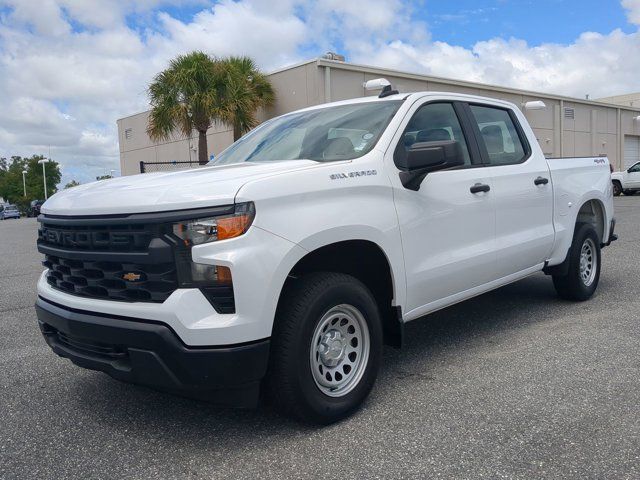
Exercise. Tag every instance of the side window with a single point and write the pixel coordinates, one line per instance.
(635, 168)
(499, 135)
(431, 123)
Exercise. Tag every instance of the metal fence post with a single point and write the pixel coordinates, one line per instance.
(141, 166)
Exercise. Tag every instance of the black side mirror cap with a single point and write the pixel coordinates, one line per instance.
(425, 157)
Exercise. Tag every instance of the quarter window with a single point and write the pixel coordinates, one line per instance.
(499, 135)
(431, 123)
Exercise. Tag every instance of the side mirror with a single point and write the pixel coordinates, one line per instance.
(425, 157)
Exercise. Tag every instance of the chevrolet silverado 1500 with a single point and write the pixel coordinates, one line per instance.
(285, 265)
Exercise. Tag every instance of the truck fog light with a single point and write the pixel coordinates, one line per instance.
(201, 272)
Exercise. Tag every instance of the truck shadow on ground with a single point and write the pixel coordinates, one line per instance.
(133, 408)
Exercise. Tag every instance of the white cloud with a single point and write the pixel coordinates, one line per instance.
(70, 68)
(633, 10)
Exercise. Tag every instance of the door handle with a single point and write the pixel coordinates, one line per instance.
(480, 187)
(541, 181)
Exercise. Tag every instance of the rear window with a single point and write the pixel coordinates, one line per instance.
(499, 135)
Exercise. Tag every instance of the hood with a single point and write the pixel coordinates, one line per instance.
(156, 192)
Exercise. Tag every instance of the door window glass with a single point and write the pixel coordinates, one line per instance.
(499, 135)
(431, 123)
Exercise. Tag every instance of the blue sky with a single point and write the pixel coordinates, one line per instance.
(69, 69)
(465, 22)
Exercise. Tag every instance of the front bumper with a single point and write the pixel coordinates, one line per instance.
(150, 353)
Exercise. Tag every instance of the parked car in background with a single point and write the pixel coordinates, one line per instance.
(627, 181)
(34, 208)
(9, 211)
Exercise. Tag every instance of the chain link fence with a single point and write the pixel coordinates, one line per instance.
(146, 167)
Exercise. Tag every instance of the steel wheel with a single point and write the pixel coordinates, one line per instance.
(587, 262)
(339, 350)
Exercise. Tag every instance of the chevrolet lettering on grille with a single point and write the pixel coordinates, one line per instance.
(87, 239)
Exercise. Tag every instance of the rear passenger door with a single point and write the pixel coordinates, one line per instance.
(521, 185)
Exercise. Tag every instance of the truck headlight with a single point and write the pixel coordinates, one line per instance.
(205, 230)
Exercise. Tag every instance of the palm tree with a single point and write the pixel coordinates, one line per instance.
(246, 91)
(197, 91)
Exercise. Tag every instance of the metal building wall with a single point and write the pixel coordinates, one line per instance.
(567, 127)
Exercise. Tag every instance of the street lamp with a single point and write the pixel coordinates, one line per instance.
(44, 175)
(24, 182)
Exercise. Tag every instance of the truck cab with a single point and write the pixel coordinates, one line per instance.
(286, 264)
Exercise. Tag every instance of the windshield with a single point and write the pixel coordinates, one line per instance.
(342, 132)
(11, 208)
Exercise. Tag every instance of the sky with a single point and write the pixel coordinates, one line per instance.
(70, 68)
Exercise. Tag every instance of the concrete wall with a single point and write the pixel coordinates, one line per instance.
(567, 127)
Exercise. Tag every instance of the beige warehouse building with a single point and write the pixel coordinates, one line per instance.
(567, 127)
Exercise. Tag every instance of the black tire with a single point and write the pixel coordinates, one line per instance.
(306, 302)
(577, 284)
(617, 188)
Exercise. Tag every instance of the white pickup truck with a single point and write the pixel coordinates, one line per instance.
(285, 265)
(628, 181)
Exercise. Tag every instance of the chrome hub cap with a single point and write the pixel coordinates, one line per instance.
(588, 262)
(339, 350)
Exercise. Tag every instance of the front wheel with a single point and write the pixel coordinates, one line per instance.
(326, 347)
(584, 257)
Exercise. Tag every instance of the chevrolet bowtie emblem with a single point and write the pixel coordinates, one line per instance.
(131, 277)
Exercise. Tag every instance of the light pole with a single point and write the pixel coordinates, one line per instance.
(44, 175)
(24, 183)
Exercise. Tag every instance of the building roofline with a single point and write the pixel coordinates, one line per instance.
(463, 83)
(323, 62)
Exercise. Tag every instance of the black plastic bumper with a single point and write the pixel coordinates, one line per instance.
(151, 354)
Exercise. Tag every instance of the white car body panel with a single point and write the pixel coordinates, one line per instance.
(442, 243)
(162, 191)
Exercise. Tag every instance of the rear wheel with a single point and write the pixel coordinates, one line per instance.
(581, 279)
(326, 348)
(617, 188)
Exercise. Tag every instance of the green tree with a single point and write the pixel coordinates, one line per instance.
(104, 177)
(11, 188)
(246, 91)
(71, 184)
(196, 91)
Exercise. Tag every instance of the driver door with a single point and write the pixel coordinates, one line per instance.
(448, 231)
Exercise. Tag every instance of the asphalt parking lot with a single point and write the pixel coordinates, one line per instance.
(513, 384)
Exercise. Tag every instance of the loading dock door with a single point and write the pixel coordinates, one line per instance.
(631, 150)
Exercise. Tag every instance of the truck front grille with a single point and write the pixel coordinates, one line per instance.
(109, 259)
(111, 280)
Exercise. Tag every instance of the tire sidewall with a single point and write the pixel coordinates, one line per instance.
(585, 231)
(323, 408)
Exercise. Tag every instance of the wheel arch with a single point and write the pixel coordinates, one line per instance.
(593, 212)
(365, 260)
